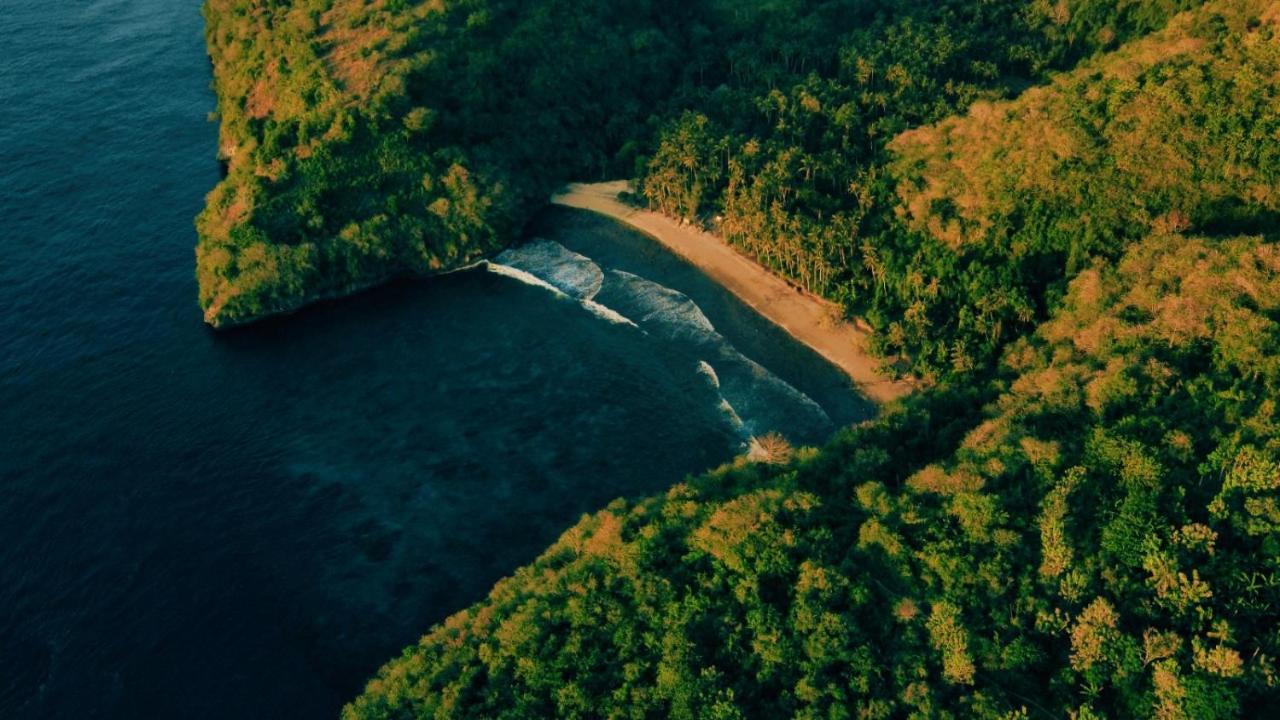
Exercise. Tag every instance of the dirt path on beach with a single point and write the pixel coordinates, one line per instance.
(808, 318)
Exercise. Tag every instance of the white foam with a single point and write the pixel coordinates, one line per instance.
(606, 313)
(752, 399)
(705, 368)
(782, 387)
(756, 400)
(572, 273)
(524, 277)
(734, 420)
(591, 306)
(659, 305)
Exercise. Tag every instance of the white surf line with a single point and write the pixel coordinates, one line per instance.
(804, 316)
(528, 278)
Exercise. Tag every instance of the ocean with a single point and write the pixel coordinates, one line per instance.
(247, 524)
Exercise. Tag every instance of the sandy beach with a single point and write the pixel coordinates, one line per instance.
(808, 318)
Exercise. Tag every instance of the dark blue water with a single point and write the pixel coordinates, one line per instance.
(246, 525)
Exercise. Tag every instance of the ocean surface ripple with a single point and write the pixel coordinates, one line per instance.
(197, 525)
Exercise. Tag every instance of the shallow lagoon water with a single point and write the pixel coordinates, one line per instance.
(247, 524)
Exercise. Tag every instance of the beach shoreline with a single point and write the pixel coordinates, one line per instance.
(811, 320)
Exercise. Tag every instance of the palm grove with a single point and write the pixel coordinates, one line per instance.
(1062, 212)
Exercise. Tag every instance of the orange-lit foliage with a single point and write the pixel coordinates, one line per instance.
(371, 138)
(1054, 557)
(956, 237)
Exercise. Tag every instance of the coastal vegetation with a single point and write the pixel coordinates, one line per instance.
(887, 172)
(366, 139)
(369, 139)
(1062, 212)
(1102, 540)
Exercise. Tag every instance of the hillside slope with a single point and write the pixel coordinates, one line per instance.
(365, 140)
(371, 138)
(1100, 539)
(957, 236)
(1103, 542)
(1175, 132)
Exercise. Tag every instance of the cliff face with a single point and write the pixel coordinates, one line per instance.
(328, 187)
(366, 140)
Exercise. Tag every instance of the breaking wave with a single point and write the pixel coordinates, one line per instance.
(607, 313)
(563, 273)
(556, 265)
(664, 312)
(524, 277)
(759, 400)
(751, 398)
(731, 415)
(705, 368)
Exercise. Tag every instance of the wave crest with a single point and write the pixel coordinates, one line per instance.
(752, 399)
(759, 400)
(525, 277)
(556, 265)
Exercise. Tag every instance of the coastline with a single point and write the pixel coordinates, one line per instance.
(806, 317)
(213, 321)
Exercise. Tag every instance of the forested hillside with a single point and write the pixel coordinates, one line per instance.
(371, 138)
(1065, 213)
(954, 238)
(1104, 541)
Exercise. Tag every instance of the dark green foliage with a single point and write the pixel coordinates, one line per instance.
(1100, 542)
(1171, 132)
(952, 239)
(1059, 206)
(367, 139)
(371, 139)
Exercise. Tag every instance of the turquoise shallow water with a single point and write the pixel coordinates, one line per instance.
(246, 525)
